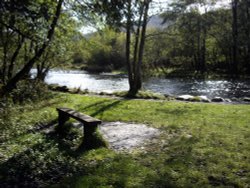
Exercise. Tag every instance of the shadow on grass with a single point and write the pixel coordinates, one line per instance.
(38, 127)
(102, 109)
(57, 157)
(45, 162)
(99, 107)
(178, 111)
(37, 166)
(151, 169)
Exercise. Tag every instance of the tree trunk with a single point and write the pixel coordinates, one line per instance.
(142, 44)
(4, 63)
(13, 59)
(25, 70)
(128, 41)
(137, 38)
(203, 49)
(234, 68)
(248, 36)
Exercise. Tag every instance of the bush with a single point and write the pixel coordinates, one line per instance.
(29, 90)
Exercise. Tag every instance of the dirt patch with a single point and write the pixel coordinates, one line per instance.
(127, 136)
(121, 136)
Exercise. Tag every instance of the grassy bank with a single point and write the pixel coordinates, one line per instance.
(201, 145)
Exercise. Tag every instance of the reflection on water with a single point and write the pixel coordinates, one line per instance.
(171, 86)
(92, 82)
(209, 88)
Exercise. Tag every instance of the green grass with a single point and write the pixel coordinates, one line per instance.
(201, 145)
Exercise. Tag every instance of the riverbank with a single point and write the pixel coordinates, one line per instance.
(200, 145)
(144, 94)
(227, 89)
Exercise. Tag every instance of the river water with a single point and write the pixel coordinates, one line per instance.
(169, 86)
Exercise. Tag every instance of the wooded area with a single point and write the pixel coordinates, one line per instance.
(125, 127)
(200, 38)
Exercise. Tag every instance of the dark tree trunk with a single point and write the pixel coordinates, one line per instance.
(137, 38)
(198, 51)
(43, 68)
(128, 41)
(13, 59)
(4, 68)
(134, 67)
(141, 47)
(203, 51)
(234, 67)
(248, 36)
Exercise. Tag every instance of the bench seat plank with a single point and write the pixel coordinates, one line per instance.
(79, 116)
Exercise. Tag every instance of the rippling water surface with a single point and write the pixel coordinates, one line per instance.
(171, 86)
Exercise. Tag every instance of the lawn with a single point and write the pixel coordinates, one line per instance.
(201, 145)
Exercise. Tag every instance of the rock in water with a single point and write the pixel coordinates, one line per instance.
(246, 99)
(218, 99)
(204, 98)
(185, 97)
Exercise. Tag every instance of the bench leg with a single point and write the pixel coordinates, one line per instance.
(89, 138)
(62, 118)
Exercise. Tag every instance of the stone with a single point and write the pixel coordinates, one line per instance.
(185, 97)
(218, 99)
(204, 99)
(246, 99)
(62, 88)
(235, 99)
(107, 92)
(228, 100)
(127, 136)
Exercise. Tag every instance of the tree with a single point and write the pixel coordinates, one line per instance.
(106, 51)
(23, 20)
(134, 64)
(244, 34)
(136, 14)
(234, 68)
(62, 48)
(193, 22)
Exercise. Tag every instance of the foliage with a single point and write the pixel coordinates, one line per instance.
(201, 145)
(25, 22)
(106, 51)
(200, 37)
(30, 90)
(61, 50)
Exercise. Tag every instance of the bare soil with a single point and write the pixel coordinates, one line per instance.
(127, 136)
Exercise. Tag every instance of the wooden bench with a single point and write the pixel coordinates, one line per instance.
(89, 123)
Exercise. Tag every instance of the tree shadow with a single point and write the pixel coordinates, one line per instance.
(38, 127)
(178, 111)
(42, 126)
(47, 161)
(38, 166)
(50, 159)
(105, 108)
(94, 105)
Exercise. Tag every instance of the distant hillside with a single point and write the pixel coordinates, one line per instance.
(155, 22)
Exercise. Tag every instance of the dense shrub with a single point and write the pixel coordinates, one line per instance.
(106, 51)
(29, 90)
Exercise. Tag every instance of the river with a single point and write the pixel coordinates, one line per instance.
(169, 86)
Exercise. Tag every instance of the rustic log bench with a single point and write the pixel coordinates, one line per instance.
(89, 123)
